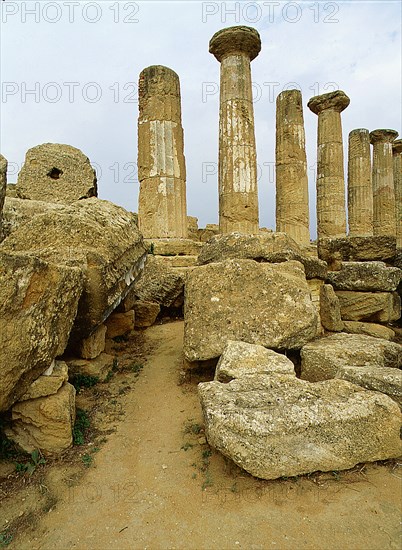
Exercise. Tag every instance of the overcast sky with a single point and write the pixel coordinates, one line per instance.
(69, 73)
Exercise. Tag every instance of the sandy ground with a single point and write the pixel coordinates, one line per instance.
(156, 484)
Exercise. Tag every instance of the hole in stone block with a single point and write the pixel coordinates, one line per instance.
(55, 173)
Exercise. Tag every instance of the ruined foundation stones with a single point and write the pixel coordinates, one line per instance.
(397, 165)
(331, 215)
(234, 48)
(3, 188)
(292, 210)
(56, 173)
(383, 182)
(360, 192)
(162, 210)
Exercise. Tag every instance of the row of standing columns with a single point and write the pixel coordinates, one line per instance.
(374, 188)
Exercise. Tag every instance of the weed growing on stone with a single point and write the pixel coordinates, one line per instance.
(80, 381)
(29, 467)
(5, 538)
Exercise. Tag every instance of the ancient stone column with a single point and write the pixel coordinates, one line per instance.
(383, 182)
(234, 48)
(3, 189)
(331, 214)
(397, 161)
(292, 214)
(360, 192)
(162, 210)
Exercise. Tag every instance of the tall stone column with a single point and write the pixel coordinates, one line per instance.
(162, 208)
(292, 213)
(331, 214)
(234, 48)
(397, 161)
(360, 192)
(383, 182)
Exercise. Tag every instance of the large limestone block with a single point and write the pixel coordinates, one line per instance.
(146, 313)
(383, 379)
(330, 311)
(207, 232)
(45, 423)
(315, 286)
(38, 305)
(381, 307)
(53, 172)
(18, 212)
(241, 359)
(370, 329)
(173, 247)
(365, 276)
(322, 358)
(275, 426)
(97, 236)
(94, 345)
(268, 247)
(357, 249)
(120, 324)
(258, 303)
(3, 190)
(159, 283)
(98, 367)
(48, 383)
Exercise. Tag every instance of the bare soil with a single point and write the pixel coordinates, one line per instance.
(151, 480)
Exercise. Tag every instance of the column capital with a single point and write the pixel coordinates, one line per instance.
(359, 131)
(336, 101)
(397, 146)
(383, 135)
(234, 40)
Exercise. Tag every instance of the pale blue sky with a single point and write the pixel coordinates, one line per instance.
(82, 59)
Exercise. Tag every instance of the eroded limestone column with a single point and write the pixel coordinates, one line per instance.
(292, 213)
(383, 182)
(331, 214)
(3, 189)
(397, 161)
(234, 48)
(162, 210)
(360, 192)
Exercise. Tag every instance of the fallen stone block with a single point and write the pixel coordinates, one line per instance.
(96, 368)
(381, 307)
(258, 303)
(321, 359)
(173, 247)
(94, 345)
(241, 359)
(274, 426)
(146, 313)
(315, 286)
(370, 329)
(159, 283)
(382, 379)
(48, 383)
(357, 249)
(18, 212)
(365, 276)
(330, 311)
(120, 324)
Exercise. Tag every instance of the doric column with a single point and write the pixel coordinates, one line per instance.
(162, 208)
(397, 161)
(234, 48)
(383, 182)
(331, 214)
(360, 192)
(292, 214)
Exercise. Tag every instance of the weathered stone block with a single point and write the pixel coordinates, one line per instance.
(98, 367)
(241, 359)
(370, 329)
(159, 283)
(381, 307)
(365, 276)
(48, 384)
(258, 303)
(383, 379)
(18, 212)
(173, 247)
(94, 345)
(56, 173)
(330, 311)
(146, 313)
(322, 358)
(120, 324)
(278, 425)
(357, 249)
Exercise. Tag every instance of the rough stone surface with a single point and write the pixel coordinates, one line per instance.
(322, 358)
(192, 228)
(365, 276)
(234, 48)
(383, 379)
(331, 214)
(241, 359)
(397, 168)
(3, 189)
(370, 329)
(100, 238)
(292, 209)
(360, 192)
(211, 229)
(376, 307)
(267, 247)
(357, 249)
(173, 247)
(258, 303)
(120, 324)
(18, 212)
(48, 384)
(45, 423)
(179, 261)
(11, 190)
(146, 313)
(330, 312)
(315, 286)
(56, 173)
(32, 330)
(98, 367)
(274, 426)
(159, 283)
(94, 345)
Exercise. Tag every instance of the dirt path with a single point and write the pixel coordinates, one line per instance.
(154, 486)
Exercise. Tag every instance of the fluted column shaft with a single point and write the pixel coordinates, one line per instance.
(360, 193)
(397, 165)
(292, 210)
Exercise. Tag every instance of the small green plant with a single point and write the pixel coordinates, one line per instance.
(151, 249)
(136, 368)
(193, 428)
(29, 467)
(81, 425)
(80, 381)
(207, 481)
(109, 376)
(5, 538)
(87, 460)
(186, 446)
